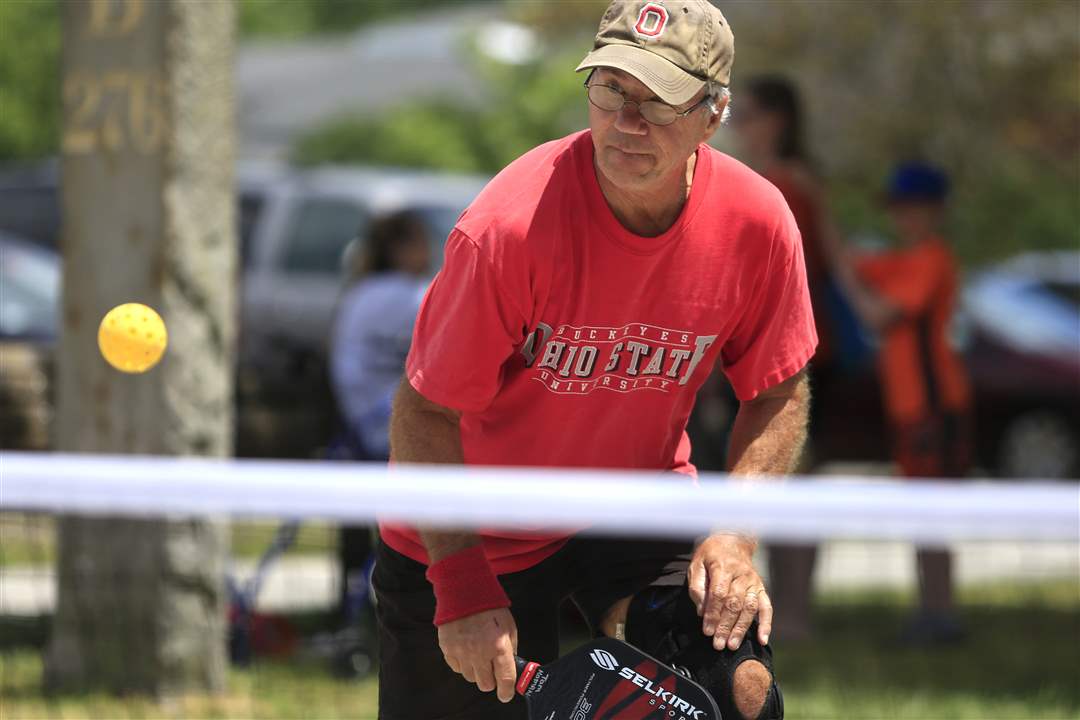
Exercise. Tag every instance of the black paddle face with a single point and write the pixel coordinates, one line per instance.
(607, 679)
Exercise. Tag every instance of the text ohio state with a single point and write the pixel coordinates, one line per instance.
(635, 356)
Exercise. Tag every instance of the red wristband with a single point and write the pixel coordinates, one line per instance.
(465, 585)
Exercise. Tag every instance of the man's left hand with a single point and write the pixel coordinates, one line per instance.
(728, 591)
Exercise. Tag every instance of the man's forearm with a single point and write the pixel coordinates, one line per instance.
(768, 439)
(421, 432)
(770, 432)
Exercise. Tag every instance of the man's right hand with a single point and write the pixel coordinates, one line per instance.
(481, 649)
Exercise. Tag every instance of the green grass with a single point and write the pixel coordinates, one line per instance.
(249, 540)
(1021, 662)
(30, 539)
(274, 692)
(27, 539)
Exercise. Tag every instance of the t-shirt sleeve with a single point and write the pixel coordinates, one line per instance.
(467, 327)
(776, 337)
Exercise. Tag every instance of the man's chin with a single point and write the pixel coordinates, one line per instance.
(626, 173)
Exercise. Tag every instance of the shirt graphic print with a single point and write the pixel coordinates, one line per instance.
(569, 360)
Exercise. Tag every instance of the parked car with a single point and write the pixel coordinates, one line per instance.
(1023, 351)
(29, 303)
(1018, 329)
(294, 227)
(30, 203)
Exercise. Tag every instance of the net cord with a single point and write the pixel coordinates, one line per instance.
(604, 502)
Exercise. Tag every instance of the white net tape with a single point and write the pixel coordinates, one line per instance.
(613, 502)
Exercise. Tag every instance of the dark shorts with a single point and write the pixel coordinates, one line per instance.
(414, 681)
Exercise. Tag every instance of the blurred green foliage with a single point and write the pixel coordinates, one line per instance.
(30, 107)
(298, 18)
(525, 105)
(989, 91)
(29, 78)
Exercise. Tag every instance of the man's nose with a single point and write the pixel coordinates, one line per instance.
(628, 120)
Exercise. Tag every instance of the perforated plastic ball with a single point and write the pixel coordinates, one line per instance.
(132, 337)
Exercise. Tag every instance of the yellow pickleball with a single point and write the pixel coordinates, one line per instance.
(132, 337)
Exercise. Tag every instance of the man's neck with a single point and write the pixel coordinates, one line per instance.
(649, 213)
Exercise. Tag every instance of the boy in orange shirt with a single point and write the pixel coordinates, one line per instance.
(925, 388)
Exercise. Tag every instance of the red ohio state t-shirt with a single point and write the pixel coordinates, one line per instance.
(565, 340)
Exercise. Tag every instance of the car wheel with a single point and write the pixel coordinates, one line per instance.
(1038, 444)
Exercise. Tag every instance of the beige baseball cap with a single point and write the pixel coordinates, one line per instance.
(674, 47)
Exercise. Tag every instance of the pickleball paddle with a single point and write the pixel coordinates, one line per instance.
(606, 679)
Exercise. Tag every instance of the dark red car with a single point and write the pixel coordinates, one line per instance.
(1019, 331)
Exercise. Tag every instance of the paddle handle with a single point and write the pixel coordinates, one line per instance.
(525, 671)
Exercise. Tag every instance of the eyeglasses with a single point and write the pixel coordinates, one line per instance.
(611, 99)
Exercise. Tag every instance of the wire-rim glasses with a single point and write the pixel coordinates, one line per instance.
(611, 99)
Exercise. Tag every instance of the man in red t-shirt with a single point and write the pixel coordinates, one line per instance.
(587, 294)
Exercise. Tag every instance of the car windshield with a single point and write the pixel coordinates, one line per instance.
(31, 213)
(321, 228)
(30, 300)
(1033, 315)
(1069, 293)
(251, 206)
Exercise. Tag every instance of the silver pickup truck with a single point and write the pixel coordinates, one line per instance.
(300, 225)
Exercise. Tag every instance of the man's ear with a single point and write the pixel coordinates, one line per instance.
(716, 107)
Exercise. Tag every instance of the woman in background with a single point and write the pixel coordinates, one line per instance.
(388, 272)
(373, 326)
(769, 125)
(768, 121)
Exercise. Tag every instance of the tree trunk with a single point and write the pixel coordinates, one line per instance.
(148, 207)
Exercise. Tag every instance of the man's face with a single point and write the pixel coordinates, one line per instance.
(413, 255)
(758, 130)
(636, 155)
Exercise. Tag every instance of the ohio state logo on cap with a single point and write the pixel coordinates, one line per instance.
(651, 20)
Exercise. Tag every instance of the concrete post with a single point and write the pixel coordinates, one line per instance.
(148, 207)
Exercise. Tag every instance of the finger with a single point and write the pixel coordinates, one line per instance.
(696, 578)
(485, 678)
(468, 672)
(505, 676)
(750, 609)
(733, 604)
(453, 663)
(765, 614)
(715, 601)
(719, 584)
